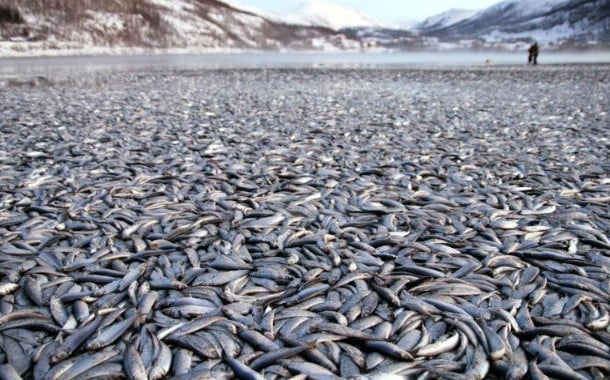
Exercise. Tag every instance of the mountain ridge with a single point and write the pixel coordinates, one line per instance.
(544, 21)
(334, 16)
(196, 24)
(67, 26)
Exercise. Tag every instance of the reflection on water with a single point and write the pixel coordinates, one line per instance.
(61, 66)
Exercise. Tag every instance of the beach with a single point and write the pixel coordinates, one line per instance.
(445, 222)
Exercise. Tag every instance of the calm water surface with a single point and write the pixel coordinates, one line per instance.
(61, 66)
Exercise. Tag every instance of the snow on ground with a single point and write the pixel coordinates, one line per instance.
(334, 16)
(542, 36)
(450, 17)
(249, 9)
(524, 7)
(99, 23)
(107, 20)
(249, 20)
(64, 49)
(174, 5)
(181, 26)
(534, 6)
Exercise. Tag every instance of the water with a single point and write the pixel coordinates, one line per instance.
(62, 66)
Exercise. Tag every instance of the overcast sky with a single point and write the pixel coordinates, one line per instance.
(384, 10)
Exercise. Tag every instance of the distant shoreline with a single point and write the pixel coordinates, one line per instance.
(33, 72)
(294, 59)
(11, 49)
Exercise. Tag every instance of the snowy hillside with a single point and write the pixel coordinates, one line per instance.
(334, 16)
(64, 26)
(445, 19)
(60, 27)
(521, 8)
(550, 22)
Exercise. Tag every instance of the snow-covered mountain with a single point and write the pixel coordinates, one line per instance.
(196, 25)
(550, 22)
(85, 26)
(331, 15)
(445, 19)
(317, 13)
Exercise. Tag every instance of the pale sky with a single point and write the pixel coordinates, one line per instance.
(383, 10)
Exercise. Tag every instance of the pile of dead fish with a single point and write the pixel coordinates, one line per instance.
(328, 224)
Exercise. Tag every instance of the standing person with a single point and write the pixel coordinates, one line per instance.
(533, 54)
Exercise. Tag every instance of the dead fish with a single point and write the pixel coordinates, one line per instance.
(133, 364)
(75, 340)
(241, 370)
(268, 358)
(267, 222)
(7, 372)
(440, 346)
(8, 288)
(111, 333)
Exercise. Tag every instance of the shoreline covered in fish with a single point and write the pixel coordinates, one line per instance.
(330, 223)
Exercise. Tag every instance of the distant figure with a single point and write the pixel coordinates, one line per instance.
(533, 54)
